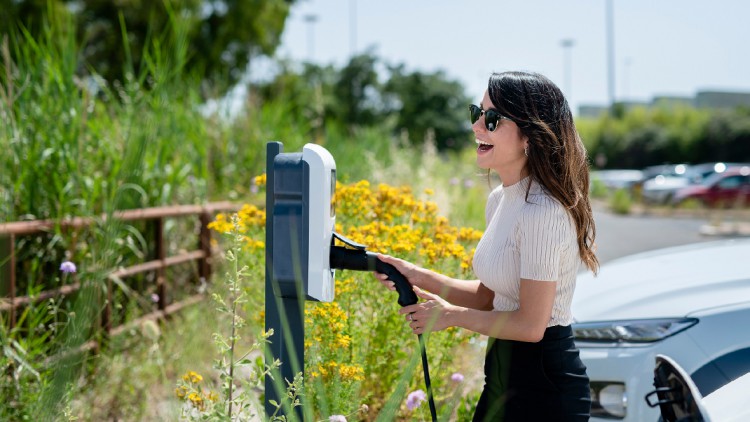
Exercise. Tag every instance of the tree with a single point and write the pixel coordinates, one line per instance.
(428, 105)
(425, 105)
(222, 36)
(357, 92)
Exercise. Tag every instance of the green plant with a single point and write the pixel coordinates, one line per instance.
(232, 403)
(690, 204)
(620, 202)
(598, 189)
(357, 348)
(80, 146)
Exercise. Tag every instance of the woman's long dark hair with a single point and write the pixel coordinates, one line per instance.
(556, 156)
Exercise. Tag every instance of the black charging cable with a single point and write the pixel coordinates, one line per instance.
(359, 259)
(430, 399)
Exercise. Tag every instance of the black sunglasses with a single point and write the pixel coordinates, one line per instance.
(491, 117)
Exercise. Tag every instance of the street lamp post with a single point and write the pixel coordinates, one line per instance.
(626, 77)
(567, 44)
(610, 53)
(352, 27)
(310, 20)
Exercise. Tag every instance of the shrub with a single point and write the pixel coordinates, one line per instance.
(621, 202)
(358, 349)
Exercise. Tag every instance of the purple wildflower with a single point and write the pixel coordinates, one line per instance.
(337, 418)
(468, 183)
(68, 267)
(154, 297)
(453, 181)
(415, 398)
(457, 377)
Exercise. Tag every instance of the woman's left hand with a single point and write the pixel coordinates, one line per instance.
(434, 314)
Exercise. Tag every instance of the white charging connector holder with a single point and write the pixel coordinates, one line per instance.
(321, 220)
(302, 218)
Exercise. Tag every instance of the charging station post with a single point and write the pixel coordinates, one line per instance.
(301, 260)
(300, 217)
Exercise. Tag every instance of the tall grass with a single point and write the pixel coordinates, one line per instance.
(76, 145)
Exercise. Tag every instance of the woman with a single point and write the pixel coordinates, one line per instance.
(539, 229)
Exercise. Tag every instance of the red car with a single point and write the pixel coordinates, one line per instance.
(728, 189)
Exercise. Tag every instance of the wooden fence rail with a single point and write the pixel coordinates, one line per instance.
(9, 233)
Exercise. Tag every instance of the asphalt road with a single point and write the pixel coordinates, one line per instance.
(621, 235)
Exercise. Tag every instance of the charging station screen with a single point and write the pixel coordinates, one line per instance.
(333, 192)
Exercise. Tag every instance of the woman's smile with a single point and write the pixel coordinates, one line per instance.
(483, 147)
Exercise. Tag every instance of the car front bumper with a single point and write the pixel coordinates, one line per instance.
(633, 366)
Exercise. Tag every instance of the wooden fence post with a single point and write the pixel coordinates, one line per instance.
(107, 313)
(161, 286)
(8, 273)
(204, 264)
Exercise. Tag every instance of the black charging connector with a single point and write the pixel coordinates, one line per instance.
(356, 257)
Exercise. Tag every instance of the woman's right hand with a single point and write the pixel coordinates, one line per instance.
(414, 274)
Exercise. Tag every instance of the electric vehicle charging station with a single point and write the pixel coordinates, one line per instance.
(301, 258)
(300, 217)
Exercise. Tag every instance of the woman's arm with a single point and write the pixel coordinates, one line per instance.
(527, 323)
(470, 294)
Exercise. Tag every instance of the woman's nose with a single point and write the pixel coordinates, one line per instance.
(478, 126)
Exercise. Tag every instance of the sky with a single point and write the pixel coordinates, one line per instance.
(661, 47)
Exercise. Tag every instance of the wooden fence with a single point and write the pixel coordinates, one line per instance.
(10, 232)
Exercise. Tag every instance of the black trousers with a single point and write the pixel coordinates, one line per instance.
(544, 381)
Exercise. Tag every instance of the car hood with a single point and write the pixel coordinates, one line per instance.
(670, 282)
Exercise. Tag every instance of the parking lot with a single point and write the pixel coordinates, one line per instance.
(621, 235)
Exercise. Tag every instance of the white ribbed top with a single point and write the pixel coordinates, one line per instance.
(534, 240)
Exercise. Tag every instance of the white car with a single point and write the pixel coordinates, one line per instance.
(661, 189)
(678, 399)
(617, 179)
(691, 303)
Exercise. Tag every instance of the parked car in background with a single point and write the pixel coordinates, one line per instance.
(617, 179)
(664, 170)
(662, 188)
(691, 303)
(655, 179)
(699, 172)
(726, 189)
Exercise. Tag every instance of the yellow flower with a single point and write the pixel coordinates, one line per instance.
(351, 372)
(180, 392)
(252, 216)
(221, 224)
(196, 400)
(343, 341)
(260, 180)
(211, 395)
(192, 376)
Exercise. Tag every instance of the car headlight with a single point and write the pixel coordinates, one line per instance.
(631, 331)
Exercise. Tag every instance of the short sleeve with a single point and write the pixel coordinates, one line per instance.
(545, 234)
